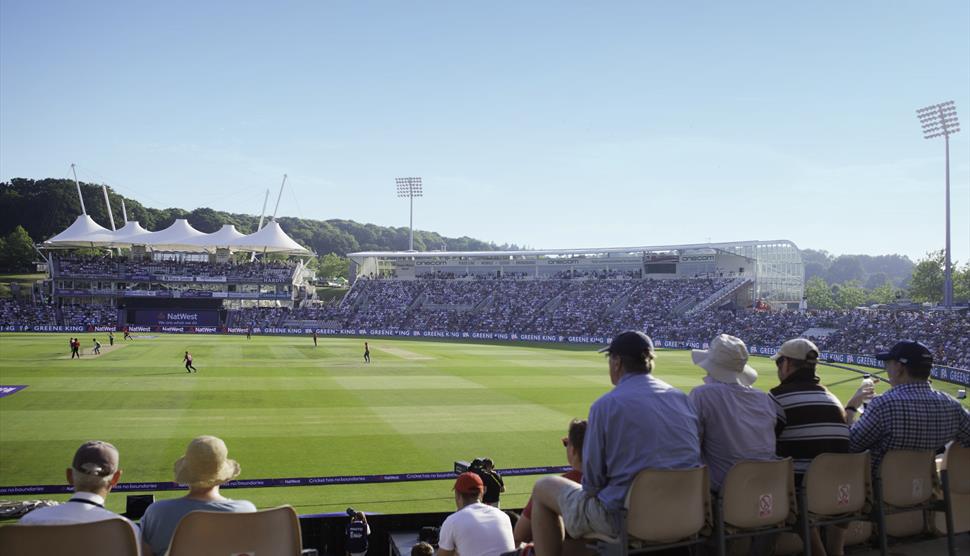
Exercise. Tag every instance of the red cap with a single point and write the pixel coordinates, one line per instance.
(469, 483)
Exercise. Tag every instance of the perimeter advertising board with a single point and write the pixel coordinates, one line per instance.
(164, 317)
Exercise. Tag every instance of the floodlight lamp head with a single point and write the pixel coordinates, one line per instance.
(408, 187)
(939, 119)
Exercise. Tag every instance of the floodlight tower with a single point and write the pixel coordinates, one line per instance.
(937, 120)
(410, 188)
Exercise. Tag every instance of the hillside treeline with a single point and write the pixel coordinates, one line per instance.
(46, 207)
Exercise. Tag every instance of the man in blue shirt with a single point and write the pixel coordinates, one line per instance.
(911, 415)
(642, 423)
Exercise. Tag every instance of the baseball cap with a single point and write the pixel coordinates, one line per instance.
(799, 348)
(96, 458)
(468, 483)
(907, 352)
(631, 342)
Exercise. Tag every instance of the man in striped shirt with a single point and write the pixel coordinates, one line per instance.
(812, 423)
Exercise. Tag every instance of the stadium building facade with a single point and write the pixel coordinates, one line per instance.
(770, 271)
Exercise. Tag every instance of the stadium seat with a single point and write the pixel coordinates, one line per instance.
(903, 485)
(757, 498)
(665, 508)
(111, 537)
(837, 488)
(272, 532)
(955, 478)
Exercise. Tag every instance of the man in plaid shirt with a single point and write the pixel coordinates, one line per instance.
(911, 415)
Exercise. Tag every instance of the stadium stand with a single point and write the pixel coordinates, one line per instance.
(561, 304)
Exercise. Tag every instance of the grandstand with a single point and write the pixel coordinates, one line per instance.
(176, 277)
(771, 271)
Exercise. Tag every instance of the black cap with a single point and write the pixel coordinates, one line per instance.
(631, 343)
(907, 352)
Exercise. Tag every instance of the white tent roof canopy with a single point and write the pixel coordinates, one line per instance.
(84, 232)
(180, 236)
(223, 237)
(176, 237)
(270, 239)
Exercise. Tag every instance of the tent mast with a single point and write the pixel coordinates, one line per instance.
(124, 213)
(252, 256)
(278, 197)
(107, 203)
(83, 210)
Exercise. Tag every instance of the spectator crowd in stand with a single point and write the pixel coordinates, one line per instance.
(588, 307)
(101, 267)
(16, 312)
(562, 305)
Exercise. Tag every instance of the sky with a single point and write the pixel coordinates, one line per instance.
(548, 124)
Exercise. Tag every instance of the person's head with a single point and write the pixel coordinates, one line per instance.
(422, 549)
(488, 464)
(726, 360)
(205, 464)
(907, 361)
(630, 352)
(468, 489)
(94, 468)
(797, 357)
(573, 442)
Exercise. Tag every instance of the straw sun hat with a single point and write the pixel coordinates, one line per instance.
(205, 463)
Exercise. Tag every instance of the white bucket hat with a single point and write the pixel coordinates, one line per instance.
(205, 463)
(726, 360)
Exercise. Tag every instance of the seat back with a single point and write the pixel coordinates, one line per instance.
(956, 463)
(858, 532)
(111, 537)
(837, 484)
(667, 505)
(267, 532)
(907, 477)
(758, 493)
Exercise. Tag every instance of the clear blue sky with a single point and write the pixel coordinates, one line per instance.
(546, 124)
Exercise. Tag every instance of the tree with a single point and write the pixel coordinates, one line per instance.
(927, 281)
(844, 269)
(332, 265)
(17, 254)
(961, 283)
(850, 295)
(883, 294)
(818, 295)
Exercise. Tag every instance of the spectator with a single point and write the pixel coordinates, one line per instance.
(812, 423)
(911, 415)
(203, 468)
(93, 473)
(737, 422)
(642, 423)
(357, 532)
(494, 485)
(476, 529)
(573, 442)
(422, 549)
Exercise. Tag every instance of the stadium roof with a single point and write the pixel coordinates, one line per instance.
(84, 232)
(180, 236)
(568, 252)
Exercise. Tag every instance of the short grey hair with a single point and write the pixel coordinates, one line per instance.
(90, 483)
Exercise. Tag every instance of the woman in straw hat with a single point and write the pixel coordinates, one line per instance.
(203, 468)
